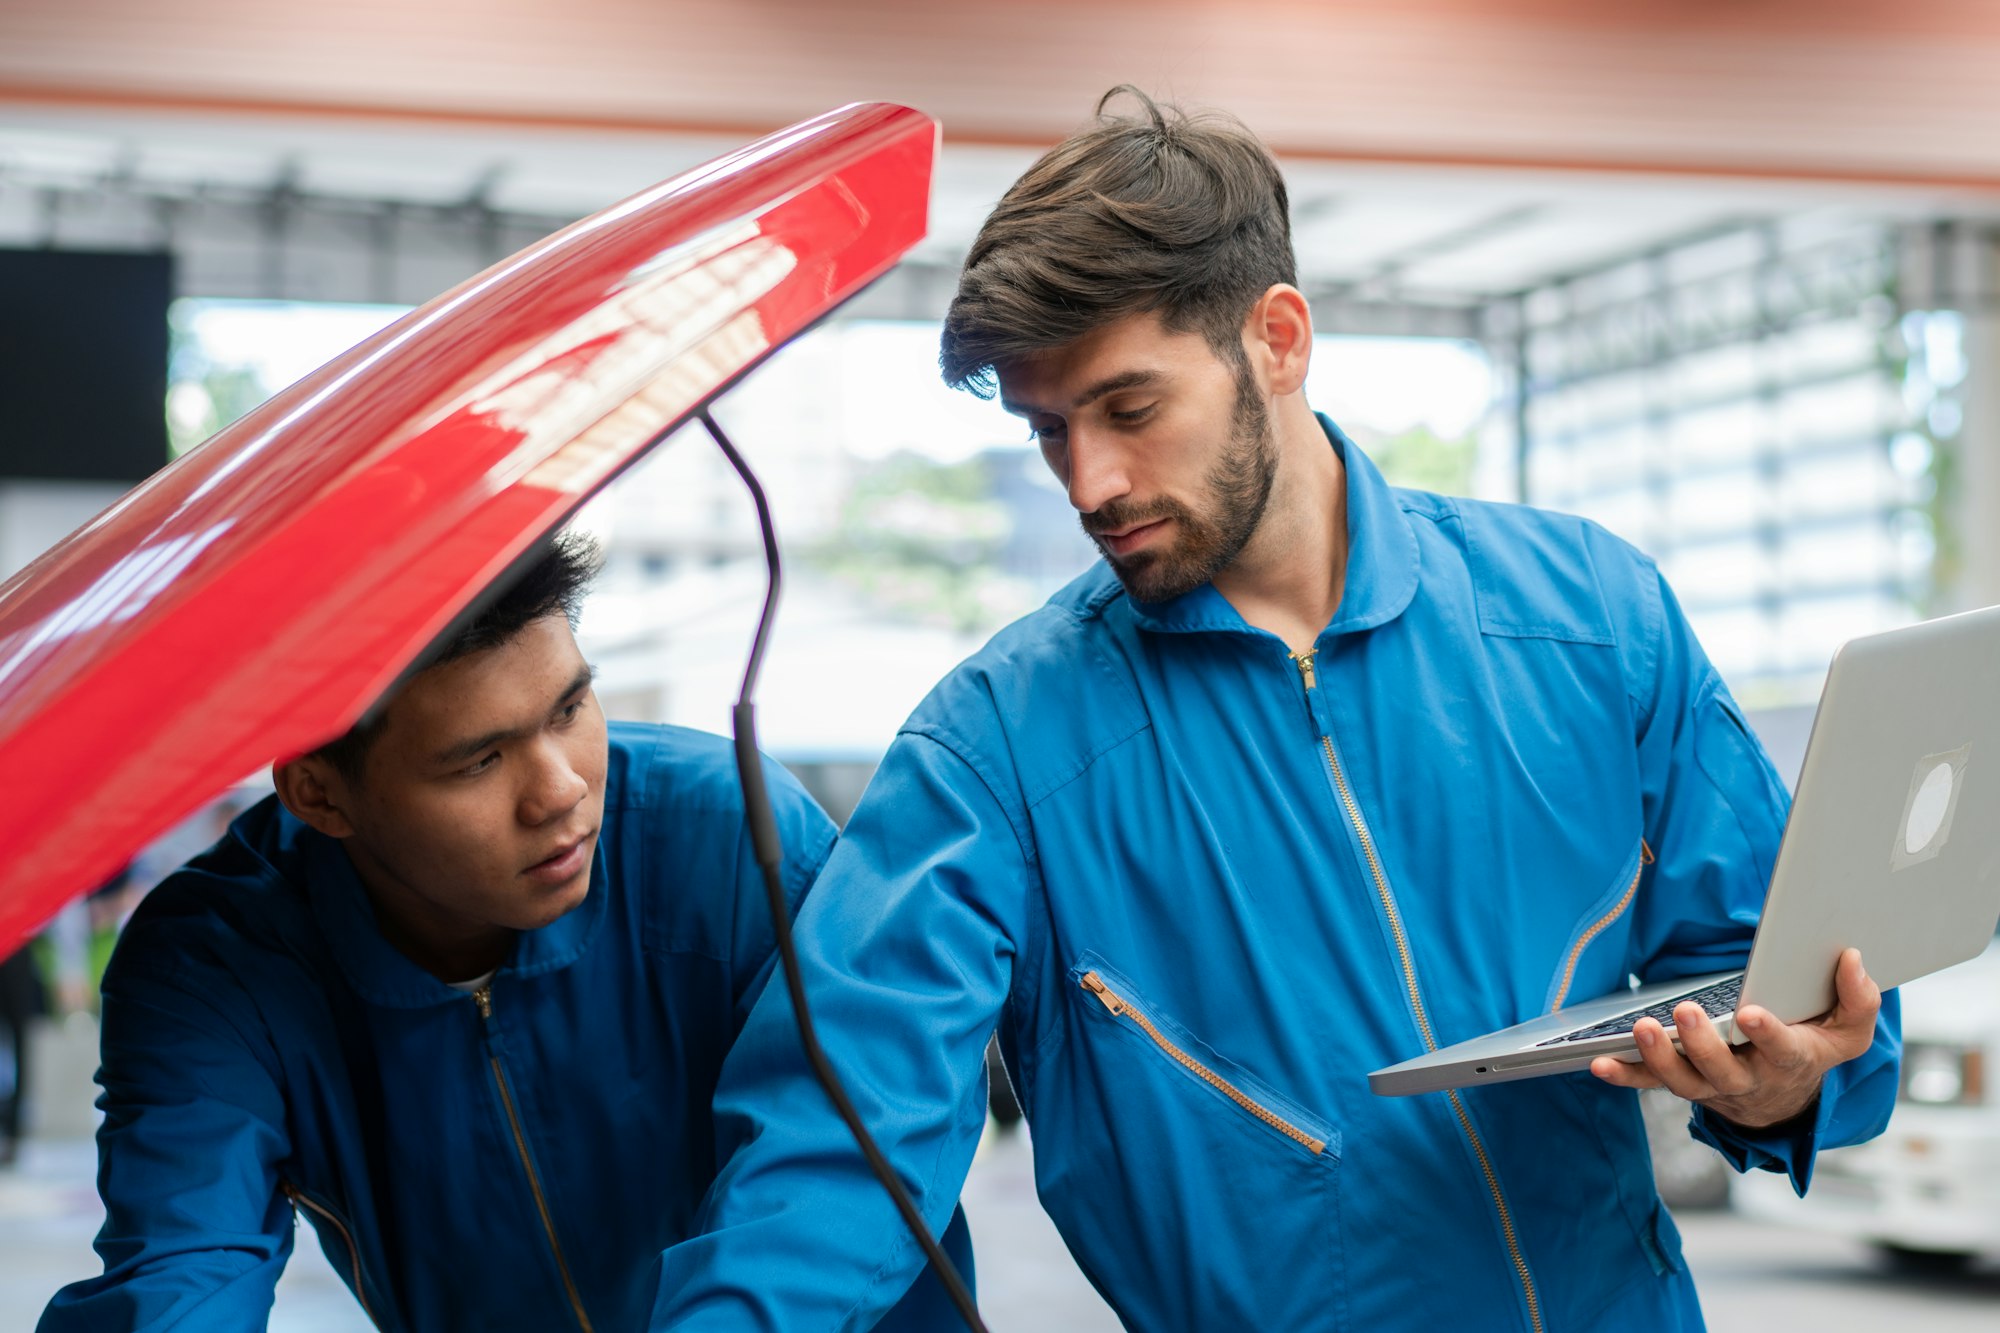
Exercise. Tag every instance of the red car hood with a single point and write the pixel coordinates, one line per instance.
(250, 600)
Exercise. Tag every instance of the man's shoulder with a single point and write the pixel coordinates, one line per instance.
(680, 786)
(245, 895)
(1062, 640)
(675, 842)
(656, 766)
(1045, 694)
(1073, 625)
(1516, 523)
(1541, 572)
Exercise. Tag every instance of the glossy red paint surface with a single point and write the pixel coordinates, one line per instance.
(250, 601)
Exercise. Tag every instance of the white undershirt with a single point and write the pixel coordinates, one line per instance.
(470, 986)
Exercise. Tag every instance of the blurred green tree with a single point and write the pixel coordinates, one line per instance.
(922, 539)
(1422, 459)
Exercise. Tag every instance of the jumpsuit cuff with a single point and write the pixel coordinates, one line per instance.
(1788, 1146)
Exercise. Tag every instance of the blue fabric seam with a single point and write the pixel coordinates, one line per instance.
(952, 746)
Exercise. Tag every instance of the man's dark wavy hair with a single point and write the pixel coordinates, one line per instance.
(555, 581)
(1161, 211)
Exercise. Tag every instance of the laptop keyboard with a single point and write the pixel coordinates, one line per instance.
(1715, 1001)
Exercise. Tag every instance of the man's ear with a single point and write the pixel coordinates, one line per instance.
(1278, 336)
(317, 792)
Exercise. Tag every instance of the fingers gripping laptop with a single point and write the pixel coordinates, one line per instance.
(1892, 847)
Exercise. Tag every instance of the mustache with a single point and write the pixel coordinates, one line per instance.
(1125, 513)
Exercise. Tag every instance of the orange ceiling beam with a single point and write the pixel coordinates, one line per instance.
(1850, 90)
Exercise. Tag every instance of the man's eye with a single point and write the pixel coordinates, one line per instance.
(568, 714)
(1133, 416)
(1044, 434)
(475, 769)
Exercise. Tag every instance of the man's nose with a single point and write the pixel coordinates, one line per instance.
(1097, 473)
(555, 787)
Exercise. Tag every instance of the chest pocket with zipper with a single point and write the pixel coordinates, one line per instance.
(1198, 1195)
(1593, 960)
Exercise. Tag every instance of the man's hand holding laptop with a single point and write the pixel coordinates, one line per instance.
(1773, 1077)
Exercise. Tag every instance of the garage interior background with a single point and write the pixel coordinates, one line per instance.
(1722, 276)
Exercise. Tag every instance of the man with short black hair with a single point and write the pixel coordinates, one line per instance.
(1311, 774)
(458, 995)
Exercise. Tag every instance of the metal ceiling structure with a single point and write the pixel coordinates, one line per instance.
(314, 208)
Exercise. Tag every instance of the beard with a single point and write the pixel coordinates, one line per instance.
(1236, 491)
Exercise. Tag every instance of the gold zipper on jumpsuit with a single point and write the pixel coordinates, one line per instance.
(1123, 1008)
(484, 997)
(299, 1199)
(1305, 663)
(1597, 927)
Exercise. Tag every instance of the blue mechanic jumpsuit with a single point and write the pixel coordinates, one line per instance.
(1202, 887)
(511, 1160)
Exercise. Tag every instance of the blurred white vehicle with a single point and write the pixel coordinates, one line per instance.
(1927, 1192)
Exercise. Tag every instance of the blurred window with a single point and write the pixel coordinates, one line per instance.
(1748, 411)
(916, 519)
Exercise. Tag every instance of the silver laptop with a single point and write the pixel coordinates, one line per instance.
(1893, 847)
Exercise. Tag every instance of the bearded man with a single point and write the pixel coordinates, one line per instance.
(1311, 774)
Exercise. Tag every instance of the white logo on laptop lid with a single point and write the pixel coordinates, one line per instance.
(1927, 810)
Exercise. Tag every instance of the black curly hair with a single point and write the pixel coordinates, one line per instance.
(557, 580)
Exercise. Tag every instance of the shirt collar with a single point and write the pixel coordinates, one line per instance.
(378, 971)
(1381, 561)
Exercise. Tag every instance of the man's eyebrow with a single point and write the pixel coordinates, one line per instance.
(472, 747)
(475, 746)
(1126, 379)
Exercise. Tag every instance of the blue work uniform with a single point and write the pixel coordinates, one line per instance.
(1202, 887)
(514, 1158)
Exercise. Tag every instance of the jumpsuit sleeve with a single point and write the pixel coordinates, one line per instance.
(1714, 811)
(906, 947)
(196, 1228)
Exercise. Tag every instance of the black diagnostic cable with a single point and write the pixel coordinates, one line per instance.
(770, 852)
